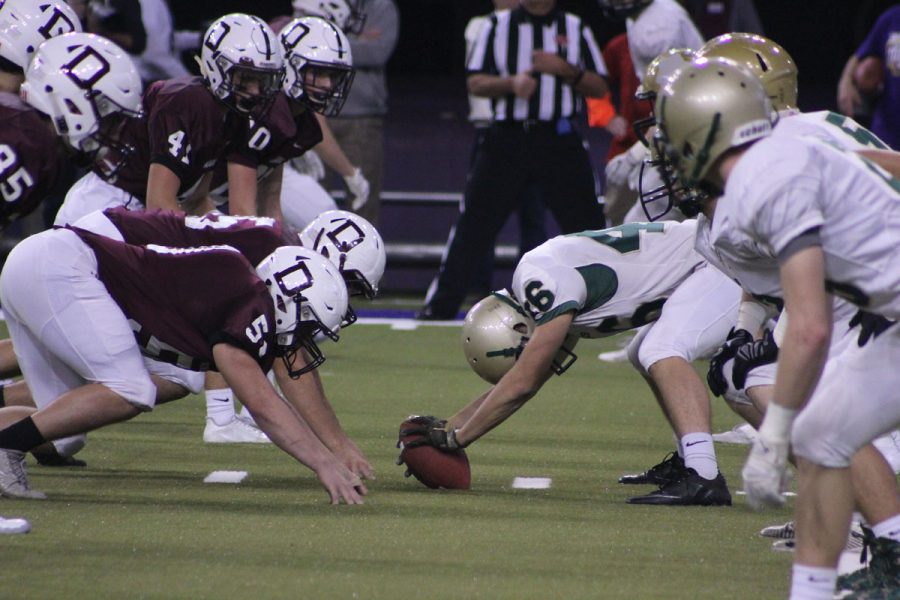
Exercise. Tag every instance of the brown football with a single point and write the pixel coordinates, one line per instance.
(433, 467)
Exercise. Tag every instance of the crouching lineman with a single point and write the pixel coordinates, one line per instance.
(594, 284)
(797, 220)
(82, 308)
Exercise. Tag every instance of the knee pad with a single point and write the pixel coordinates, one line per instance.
(813, 439)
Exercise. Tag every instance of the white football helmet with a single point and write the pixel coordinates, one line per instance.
(310, 299)
(318, 64)
(88, 86)
(495, 333)
(241, 62)
(353, 245)
(346, 14)
(26, 24)
(708, 107)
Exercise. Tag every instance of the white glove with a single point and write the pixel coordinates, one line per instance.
(359, 188)
(765, 473)
(310, 164)
(622, 165)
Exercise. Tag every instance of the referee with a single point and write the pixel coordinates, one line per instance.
(532, 62)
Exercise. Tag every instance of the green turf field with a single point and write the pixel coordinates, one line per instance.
(139, 522)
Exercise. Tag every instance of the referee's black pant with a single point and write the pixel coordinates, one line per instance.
(547, 155)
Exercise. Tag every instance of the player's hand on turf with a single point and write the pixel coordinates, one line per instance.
(765, 473)
(870, 326)
(354, 459)
(715, 376)
(431, 432)
(523, 85)
(755, 354)
(341, 484)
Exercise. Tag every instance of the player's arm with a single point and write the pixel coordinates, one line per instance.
(162, 187)
(804, 350)
(848, 96)
(307, 396)
(242, 189)
(519, 385)
(268, 194)
(330, 151)
(283, 426)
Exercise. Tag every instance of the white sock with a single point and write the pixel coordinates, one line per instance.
(700, 454)
(220, 405)
(812, 583)
(889, 528)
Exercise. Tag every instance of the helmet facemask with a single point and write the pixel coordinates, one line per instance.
(325, 87)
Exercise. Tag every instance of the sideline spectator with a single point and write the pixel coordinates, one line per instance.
(879, 77)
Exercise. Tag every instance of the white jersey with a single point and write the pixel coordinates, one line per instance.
(614, 279)
(783, 187)
(663, 25)
(830, 127)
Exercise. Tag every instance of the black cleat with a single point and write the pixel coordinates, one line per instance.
(669, 470)
(690, 490)
(52, 459)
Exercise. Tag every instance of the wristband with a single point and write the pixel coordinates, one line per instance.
(777, 423)
(751, 316)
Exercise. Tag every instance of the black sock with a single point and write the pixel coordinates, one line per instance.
(22, 436)
(2, 399)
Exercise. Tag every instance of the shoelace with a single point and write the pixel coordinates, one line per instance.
(17, 467)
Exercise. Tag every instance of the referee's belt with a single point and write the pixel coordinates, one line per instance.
(558, 126)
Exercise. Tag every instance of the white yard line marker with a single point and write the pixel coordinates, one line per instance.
(225, 477)
(785, 494)
(404, 325)
(531, 483)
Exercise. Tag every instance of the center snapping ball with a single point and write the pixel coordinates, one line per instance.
(433, 467)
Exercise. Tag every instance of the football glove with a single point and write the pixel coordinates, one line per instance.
(765, 473)
(715, 376)
(432, 432)
(870, 326)
(754, 354)
(358, 186)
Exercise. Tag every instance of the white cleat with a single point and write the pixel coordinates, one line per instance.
(13, 526)
(236, 431)
(739, 434)
(14, 479)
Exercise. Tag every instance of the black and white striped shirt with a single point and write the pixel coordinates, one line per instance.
(505, 46)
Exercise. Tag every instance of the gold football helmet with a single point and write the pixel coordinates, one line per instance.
(764, 58)
(708, 107)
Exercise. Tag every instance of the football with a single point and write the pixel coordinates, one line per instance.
(869, 75)
(435, 468)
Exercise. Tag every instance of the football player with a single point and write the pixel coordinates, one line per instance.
(598, 283)
(188, 122)
(86, 288)
(797, 220)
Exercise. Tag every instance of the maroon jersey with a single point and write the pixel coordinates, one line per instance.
(267, 143)
(254, 237)
(183, 301)
(183, 129)
(29, 158)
